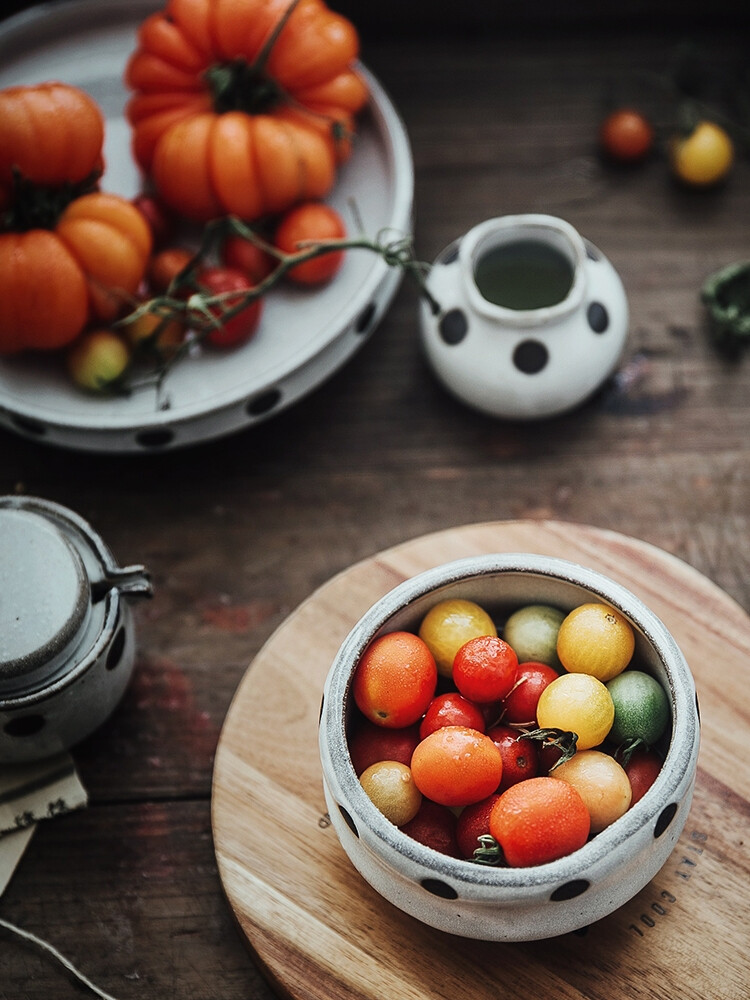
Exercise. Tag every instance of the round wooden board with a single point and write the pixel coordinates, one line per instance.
(319, 931)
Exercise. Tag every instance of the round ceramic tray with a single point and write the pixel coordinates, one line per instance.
(304, 336)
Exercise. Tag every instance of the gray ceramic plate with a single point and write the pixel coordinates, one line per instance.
(304, 336)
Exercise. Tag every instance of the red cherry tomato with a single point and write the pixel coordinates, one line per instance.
(520, 705)
(311, 221)
(520, 756)
(538, 821)
(160, 222)
(642, 770)
(485, 668)
(473, 823)
(239, 328)
(435, 827)
(451, 709)
(370, 743)
(626, 135)
(243, 255)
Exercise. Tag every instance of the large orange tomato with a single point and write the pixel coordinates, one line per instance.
(243, 107)
(51, 134)
(53, 281)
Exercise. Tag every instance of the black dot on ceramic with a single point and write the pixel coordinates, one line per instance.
(24, 725)
(598, 317)
(349, 821)
(450, 254)
(28, 425)
(570, 890)
(530, 357)
(439, 888)
(454, 326)
(666, 817)
(154, 439)
(365, 319)
(116, 649)
(264, 403)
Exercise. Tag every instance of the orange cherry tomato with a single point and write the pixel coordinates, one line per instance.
(456, 766)
(311, 222)
(538, 821)
(395, 680)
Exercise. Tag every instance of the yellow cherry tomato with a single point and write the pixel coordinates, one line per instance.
(703, 157)
(595, 639)
(577, 703)
(448, 625)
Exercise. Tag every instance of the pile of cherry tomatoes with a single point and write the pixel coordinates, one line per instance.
(510, 746)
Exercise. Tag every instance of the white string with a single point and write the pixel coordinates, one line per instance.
(56, 954)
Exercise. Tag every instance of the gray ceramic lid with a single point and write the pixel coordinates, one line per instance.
(45, 596)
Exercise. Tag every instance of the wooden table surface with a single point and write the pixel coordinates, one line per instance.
(238, 532)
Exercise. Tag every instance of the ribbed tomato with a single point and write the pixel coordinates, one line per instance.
(243, 107)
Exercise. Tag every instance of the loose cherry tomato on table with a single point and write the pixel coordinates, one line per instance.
(626, 135)
(704, 157)
(239, 328)
(311, 222)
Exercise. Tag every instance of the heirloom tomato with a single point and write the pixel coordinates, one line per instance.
(243, 108)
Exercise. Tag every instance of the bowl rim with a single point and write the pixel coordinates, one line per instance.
(679, 760)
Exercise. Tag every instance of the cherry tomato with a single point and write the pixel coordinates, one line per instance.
(245, 256)
(157, 332)
(395, 680)
(595, 639)
(626, 135)
(159, 220)
(704, 157)
(451, 709)
(532, 632)
(642, 770)
(641, 708)
(473, 823)
(519, 705)
(164, 267)
(435, 827)
(520, 756)
(456, 766)
(391, 788)
(451, 623)
(485, 668)
(97, 359)
(538, 821)
(602, 783)
(237, 329)
(369, 744)
(311, 221)
(577, 703)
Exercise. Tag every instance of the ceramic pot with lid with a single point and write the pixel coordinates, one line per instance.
(67, 645)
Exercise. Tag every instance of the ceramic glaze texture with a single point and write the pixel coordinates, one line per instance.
(68, 647)
(516, 352)
(506, 904)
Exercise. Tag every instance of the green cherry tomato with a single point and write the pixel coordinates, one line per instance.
(641, 708)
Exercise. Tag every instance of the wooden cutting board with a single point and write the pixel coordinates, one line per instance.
(319, 931)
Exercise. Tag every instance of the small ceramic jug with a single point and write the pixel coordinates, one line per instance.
(526, 319)
(67, 645)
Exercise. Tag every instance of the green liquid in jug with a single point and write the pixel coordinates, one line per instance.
(526, 274)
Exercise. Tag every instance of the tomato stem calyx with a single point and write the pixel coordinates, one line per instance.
(488, 853)
(39, 206)
(564, 740)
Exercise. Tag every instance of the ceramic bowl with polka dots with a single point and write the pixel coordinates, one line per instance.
(501, 903)
(525, 318)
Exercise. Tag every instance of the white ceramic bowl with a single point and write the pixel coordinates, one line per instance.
(511, 904)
